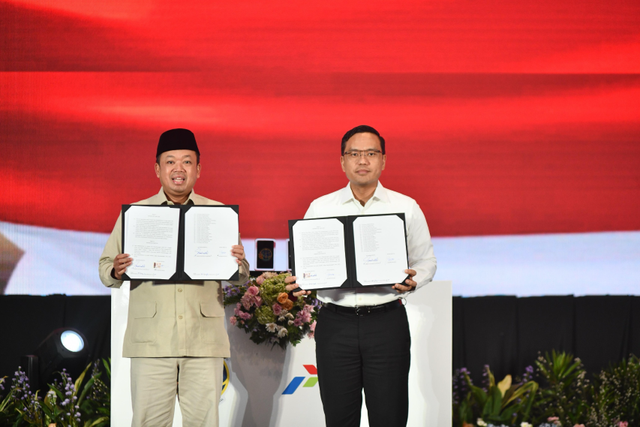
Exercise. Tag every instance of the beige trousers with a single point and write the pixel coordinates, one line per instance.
(155, 382)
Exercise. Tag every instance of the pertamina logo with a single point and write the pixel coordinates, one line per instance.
(295, 383)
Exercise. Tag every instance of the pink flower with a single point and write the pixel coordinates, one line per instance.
(297, 322)
(313, 330)
(247, 301)
(233, 320)
(623, 424)
(260, 279)
(253, 290)
(579, 425)
(277, 309)
(258, 301)
(245, 316)
(552, 419)
(303, 316)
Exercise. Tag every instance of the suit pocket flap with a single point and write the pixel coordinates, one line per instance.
(145, 310)
(211, 310)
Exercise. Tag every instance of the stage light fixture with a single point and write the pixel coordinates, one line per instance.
(64, 348)
(72, 340)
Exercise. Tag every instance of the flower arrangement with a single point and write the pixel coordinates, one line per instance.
(561, 395)
(84, 402)
(265, 310)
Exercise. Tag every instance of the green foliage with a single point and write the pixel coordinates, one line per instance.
(501, 403)
(83, 403)
(462, 404)
(562, 396)
(565, 389)
(615, 395)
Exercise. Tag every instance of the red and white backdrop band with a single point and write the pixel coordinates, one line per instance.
(515, 125)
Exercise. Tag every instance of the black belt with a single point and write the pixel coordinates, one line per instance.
(364, 310)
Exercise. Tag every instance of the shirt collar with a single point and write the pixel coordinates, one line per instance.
(380, 194)
(166, 201)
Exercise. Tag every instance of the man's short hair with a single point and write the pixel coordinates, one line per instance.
(361, 129)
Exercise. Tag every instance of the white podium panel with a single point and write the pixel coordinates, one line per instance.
(272, 387)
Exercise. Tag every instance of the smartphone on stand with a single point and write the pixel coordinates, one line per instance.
(265, 251)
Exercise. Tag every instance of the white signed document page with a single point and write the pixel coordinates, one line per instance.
(350, 251)
(380, 250)
(151, 239)
(320, 258)
(209, 235)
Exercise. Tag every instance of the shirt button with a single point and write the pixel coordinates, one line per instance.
(179, 289)
(180, 317)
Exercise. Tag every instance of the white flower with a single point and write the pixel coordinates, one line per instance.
(270, 327)
(282, 332)
(481, 422)
(525, 424)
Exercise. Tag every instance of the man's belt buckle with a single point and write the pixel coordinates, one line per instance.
(363, 311)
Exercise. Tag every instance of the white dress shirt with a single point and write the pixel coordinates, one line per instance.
(383, 201)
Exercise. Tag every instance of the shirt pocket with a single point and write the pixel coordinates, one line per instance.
(212, 323)
(143, 322)
(211, 310)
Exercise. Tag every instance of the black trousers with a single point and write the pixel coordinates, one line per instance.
(364, 352)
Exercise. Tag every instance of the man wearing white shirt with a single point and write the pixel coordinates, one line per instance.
(362, 335)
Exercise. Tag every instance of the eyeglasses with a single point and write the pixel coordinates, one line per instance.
(355, 154)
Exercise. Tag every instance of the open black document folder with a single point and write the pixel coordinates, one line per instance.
(348, 251)
(180, 242)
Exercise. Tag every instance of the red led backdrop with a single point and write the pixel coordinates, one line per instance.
(502, 117)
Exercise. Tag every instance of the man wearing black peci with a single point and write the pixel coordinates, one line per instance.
(175, 334)
(371, 351)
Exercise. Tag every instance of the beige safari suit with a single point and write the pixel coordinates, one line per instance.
(170, 320)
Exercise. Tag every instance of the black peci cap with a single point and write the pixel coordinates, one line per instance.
(177, 139)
